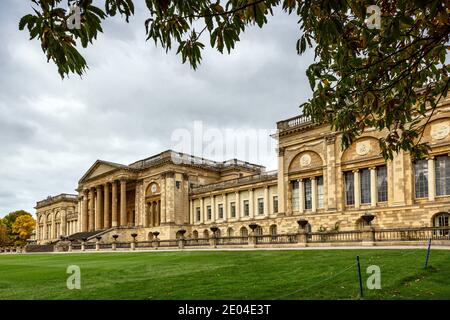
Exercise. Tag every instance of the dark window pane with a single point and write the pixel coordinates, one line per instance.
(382, 183)
(421, 178)
(349, 188)
(365, 185)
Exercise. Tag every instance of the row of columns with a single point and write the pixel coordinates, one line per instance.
(239, 210)
(373, 187)
(152, 216)
(95, 215)
(301, 194)
(53, 229)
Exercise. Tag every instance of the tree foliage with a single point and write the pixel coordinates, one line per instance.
(391, 78)
(23, 227)
(16, 227)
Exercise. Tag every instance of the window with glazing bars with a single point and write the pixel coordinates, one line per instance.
(295, 198)
(208, 210)
(246, 208)
(382, 189)
(308, 194)
(349, 188)
(275, 204)
(233, 209)
(365, 185)
(260, 206)
(442, 172)
(320, 193)
(421, 178)
(221, 211)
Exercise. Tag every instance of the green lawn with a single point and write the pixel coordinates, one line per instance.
(318, 274)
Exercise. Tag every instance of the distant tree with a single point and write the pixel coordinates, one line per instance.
(389, 76)
(4, 238)
(8, 222)
(22, 228)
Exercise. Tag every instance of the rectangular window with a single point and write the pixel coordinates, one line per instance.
(246, 208)
(197, 213)
(178, 184)
(233, 209)
(421, 178)
(320, 193)
(260, 206)
(208, 210)
(221, 211)
(295, 196)
(308, 194)
(349, 188)
(382, 184)
(365, 185)
(275, 204)
(442, 171)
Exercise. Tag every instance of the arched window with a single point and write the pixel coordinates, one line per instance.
(441, 220)
(259, 231)
(230, 232)
(150, 236)
(244, 232)
(273, 230)
(218, 233)
(206, 234)
(195, 234)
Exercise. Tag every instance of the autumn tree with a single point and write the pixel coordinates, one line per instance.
(8, 222)
(22, 228)
(390, 77)
(4, 238)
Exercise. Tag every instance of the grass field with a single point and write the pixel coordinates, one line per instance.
(308, 274)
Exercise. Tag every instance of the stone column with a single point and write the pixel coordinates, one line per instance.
(99, 209)
(431, 179)
(63, 230)
(280, 182)
(84, 212)
(313, 194)
(213, 208)
(114, 220)
(357, 188)
(225, 207)
(373, 187)
(237, 202)
(123, 203)
(38, 233)
(106, 213)
(45, 227)
(251, 207)
(91, 210)
(52, 230)
(301, 195)
(158, 213)
(191, 211)
(152, 213)
(146, 215)
(266, 201)
(202, 211)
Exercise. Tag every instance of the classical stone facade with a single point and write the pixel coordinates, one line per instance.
(315, 180)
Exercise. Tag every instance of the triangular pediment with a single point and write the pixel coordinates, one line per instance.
(99, 168)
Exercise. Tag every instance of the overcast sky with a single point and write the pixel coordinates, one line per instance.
(134, 101)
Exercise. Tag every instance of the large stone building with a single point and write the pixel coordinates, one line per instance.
(316, 180)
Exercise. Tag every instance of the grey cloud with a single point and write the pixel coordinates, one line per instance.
(131, 100)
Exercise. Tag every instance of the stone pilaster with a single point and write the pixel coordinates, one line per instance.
(357, 188)
(313, 194)
(373, 187)
(114, 216)
(91, 210)
(99, 209)
(106, 213)
(431, 179)
(123, 203)
(84, 212)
